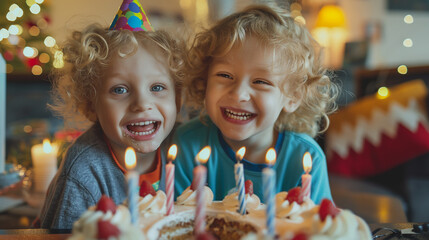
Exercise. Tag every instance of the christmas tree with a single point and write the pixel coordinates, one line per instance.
(24, 42)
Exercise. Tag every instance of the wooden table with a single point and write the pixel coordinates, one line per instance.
(42, 234)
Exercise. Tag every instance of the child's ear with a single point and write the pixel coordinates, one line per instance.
(292, 103)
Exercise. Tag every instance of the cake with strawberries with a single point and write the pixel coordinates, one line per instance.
(297, 217)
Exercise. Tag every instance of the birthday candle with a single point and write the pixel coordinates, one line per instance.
(170, 179)
(269, 183)
(132, 180)
(306, 178)
(200, 175)
(239, 180)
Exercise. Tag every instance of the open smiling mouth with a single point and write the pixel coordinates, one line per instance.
(238, 116)
(143, 128)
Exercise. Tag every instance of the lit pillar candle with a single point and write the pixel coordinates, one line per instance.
(269, 185)
(239, 180)
(170, 179)
(132, 178)
(306, 178)
(200, 175)
(44, 158)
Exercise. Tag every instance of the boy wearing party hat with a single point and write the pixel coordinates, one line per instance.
(125, 81)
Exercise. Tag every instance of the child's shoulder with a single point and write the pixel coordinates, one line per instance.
(301, 140)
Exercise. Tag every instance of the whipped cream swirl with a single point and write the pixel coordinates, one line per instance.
(189, 197)
(150, 205)
(231, 201)
(345, 225)
(86, 227)
(293, 210)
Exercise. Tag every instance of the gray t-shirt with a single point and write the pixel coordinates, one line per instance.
(87, 171)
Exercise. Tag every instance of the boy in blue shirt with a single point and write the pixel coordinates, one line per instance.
(259, 76)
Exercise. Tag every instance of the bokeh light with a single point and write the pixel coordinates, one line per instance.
(402, 69)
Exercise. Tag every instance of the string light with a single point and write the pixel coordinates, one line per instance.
(409, 19)
(402, 69)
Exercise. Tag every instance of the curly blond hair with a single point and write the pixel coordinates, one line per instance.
(88, 54)
(299, 56)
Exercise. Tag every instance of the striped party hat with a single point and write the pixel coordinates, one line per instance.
(131, 16)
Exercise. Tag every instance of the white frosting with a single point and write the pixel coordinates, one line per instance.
(231, 201)
(292, 211)
(345, 225)
(150, 205)
(189, 197)
(86, 226)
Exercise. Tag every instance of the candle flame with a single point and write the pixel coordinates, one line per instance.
(270, 157)
(47, 148)
(240, 154)
(172, 152)
(307, 162)
(204, 154)
(130, 158)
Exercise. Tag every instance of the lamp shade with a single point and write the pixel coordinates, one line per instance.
(331, 16)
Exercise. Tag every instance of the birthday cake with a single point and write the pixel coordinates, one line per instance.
(297, 217)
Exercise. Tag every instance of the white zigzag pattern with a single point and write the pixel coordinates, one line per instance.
(372, 128)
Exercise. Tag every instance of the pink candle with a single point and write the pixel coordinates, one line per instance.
(169, 168)
(132, 181)
(306, 178)
(200, 175)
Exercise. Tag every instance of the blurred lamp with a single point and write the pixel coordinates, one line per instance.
(331, 31)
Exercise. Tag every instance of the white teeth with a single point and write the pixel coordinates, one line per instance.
(142, 123)
(237, 115)
(143, 133)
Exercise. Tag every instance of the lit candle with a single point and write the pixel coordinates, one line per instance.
(200, 175)
(306, 178)
(170, 179)
(239, 180)
(269, 185)
(44, 158)
(132, 181)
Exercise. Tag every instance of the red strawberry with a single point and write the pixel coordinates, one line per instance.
(300, 236)
(106, 204)
(194, 185)
(205, 236)
(106, 230)
(295, 195)
(327, 208)
(248, 187)
(146, 188)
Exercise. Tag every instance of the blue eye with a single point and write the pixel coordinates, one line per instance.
(157, 88)
(119, 90)
(224, 75)
(261, 82)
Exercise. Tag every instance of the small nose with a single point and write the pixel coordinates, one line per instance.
(141, 103)
(241, 91)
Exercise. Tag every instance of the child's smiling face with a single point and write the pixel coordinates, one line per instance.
(136, 101)
(243, 95)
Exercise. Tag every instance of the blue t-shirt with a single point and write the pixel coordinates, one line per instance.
(290, 148)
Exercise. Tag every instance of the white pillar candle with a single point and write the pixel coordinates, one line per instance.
(44, 158)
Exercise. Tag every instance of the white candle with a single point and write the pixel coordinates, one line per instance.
(132, 178)
(269, 185)
(2, 114)
(239, 180)
(169, 168)
(44, 158)
(200, 175)
(306, 178)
